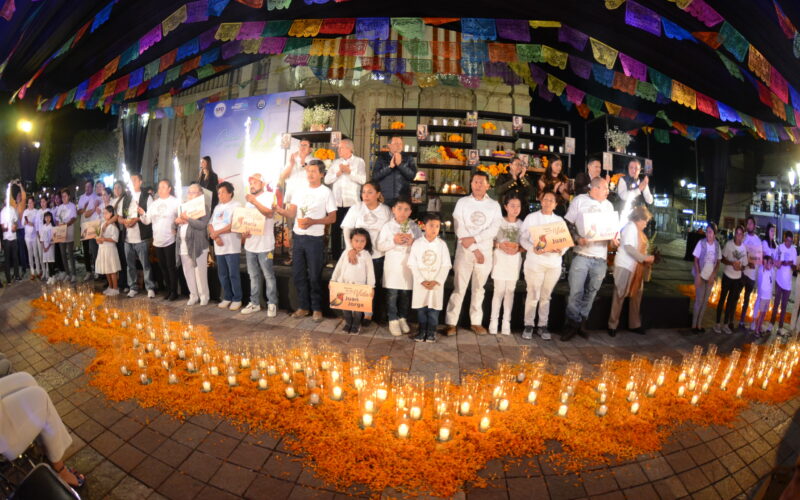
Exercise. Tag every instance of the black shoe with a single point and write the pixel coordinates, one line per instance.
(346, 328)
(421, 336)
(430, 337)
(582, 330)
(568, 335)
(173, 296)
(366, 321)
(354, 330)
(639, 331)
(612, 332)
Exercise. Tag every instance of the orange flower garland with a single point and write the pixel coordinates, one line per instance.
(324, 154)
(344, 455)
(397, 125)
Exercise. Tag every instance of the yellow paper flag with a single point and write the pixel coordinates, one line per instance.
(683, 94)
(613, 109)
(544, 24)
(228, 31)
(555, 85)
(603, 53)
(305, 27)
(554, 57)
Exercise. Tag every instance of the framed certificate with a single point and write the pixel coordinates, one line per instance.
(248, 220)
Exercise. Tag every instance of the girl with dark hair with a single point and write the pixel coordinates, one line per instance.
(48, 247)
(554, 181)
(507, 261)
(107, 262)
(360, 272)
(208, 179)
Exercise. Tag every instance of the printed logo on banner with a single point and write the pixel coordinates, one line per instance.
(240, 106)
(261, 104)
(220, 109)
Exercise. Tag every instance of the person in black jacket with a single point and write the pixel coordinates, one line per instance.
(583, 179)
(394, 172)
(208, 179)
(516, 181)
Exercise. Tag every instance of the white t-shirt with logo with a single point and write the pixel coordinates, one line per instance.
(734, 253)
(223, 216)
(479, 219)
(783, 276)
(506, 267)
(583, 204)
(65, 213)
(359, 215)
(162, 213)
(29, 217)
(313, 203)
(9, 217)
(711, 258)
(264, 242)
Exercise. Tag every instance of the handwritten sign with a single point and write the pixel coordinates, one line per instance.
(549, 237)
(599, 226)
(90, 230)
(60, 234)
(247, 220)
(194, 208)
(351, 297)
(754, 254)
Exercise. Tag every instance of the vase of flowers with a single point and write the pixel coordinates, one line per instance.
(618, 139)
(326, 155)
(488, 127)
(316, 118)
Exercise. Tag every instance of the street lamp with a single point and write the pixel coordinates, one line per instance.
(683, 181)
(792, 177)
(25, 126)
(772, 184)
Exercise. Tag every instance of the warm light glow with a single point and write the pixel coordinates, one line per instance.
(25, 126)
(36, 144)
(683, 182)
(792, 177)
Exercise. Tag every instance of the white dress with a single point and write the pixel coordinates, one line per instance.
(46, 237)
(429, 261)
(107, 258)
(506, 267)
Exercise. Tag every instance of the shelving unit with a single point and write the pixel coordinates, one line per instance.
(597, 143)
(343, 122)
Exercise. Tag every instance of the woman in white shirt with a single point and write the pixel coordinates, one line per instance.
(116, 201)
(191, 242)
(227, 248)
(707, 255)
(372, 215)
(29, 219)
(161, 214)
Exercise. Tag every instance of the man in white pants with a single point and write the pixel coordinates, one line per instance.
(476, 219)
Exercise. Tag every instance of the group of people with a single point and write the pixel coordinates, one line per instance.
(751, 264)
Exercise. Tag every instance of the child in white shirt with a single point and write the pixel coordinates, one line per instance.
(360, 273)
(395, 240)
(506, 264)
(107, 259)
(429, 262)
(48, 247)
(765, 285)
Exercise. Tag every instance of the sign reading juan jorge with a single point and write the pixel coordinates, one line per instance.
(549, 237)
(351, 297)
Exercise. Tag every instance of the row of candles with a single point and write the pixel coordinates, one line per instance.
(152, 345)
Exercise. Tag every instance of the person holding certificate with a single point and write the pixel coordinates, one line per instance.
(161, 215)
(227, 248)
(258, 249)
(66, 214)
(191, 241)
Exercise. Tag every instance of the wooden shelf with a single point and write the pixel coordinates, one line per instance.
(453, 195)
(442, 166)
(497, 138)
(335, 100)
(451, 129)
(529, 136)
(535, 152)
(496, 159)
(402, 132)
(315, 137)
(454, 145)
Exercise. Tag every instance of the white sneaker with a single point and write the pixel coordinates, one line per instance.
(224, 304)
(404, 325)
(506, 329)
(132, 293)
(493, 327)
(250, 309)
(235, 306)
(717, 328)
(272, 310)
(192, 301)
(105, 292)
(203, 301)
(726, 330)
(51, 280)
(114, 292)
(544, 333)
(151, 294)
(767, 327)
(394, 327)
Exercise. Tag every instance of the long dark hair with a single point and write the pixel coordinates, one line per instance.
(547, 177)
(363, 232)
(207, 159)
(770, 241)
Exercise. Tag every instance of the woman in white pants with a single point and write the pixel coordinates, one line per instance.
(191, 243)
(29, 220)
(542, 269)
(26, 412)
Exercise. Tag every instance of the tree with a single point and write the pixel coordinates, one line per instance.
(46, 168)
(94, 152)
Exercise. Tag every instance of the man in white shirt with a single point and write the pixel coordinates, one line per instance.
(589, 265)
(630, 188)
(87, 209)
(227, 247)
(259, 248)
(137, 237)
(315, 208)
(752, 243)
(784, 267)
(476, 219)
(345, 177)
(294, 176)
(8, 222)
(66, 215)
(160, 216)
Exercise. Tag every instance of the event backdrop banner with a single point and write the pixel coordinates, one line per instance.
(224, 137)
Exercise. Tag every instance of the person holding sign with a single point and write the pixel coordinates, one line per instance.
(507, 261)
(191, 241)
(630, 266)
(107, 259)
(542, 264)
(66, 214)
(630, 188)
(429, 261)
(359, 272)
(317, 208)
(345, 178)
(754, 252)
(589, 264)
(88, 204)
(707, 256)
(258, 249)
(476, 219)
(161, 215)
(227, 248)
(516, 181)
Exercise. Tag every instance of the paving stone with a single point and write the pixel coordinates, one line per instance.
(190, 434)
(680, 461)
(745, 478)
(181, 486)
(233, 479)
(670, 488)
(152, 472)
(85, 460)
(200, 466)
(165, 425)
(218, 445)
(104, 478)
(283, 466)
(638, 492)
(216, 494)
(565, 487)
(521, 488)
(693, 480)
(598, 482)
(126, 428)
(304, 493)
(106, 443)
(276, 488)
(250, 456)
(727, 488)
(528, 467)
(748, 454)
(656, 468)
(88, 430)
(732, 462)
(147, 440)
(629, 475)
(127, 457)
(715, 471)
(130, 488)
(701, 454)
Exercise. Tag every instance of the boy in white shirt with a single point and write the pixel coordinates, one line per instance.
(227, 248)
(66, 214)
(312, 207)
(787, 257)
(429, 261)
(395, 240)
(259, 248)
(476, 220)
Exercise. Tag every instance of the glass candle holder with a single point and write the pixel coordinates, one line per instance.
(232, 377)
(205, 384)
(144, 378)
(315, 397)
(263, 382)
(403, 427)
(172, 377)
(445, 431)
(337, 393)
(485, 422)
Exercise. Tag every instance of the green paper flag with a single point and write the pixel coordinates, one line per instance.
(409, 27)
(529, 53)
(661, 135)
(646, 90)
(663, 115)
(417, 48)
(731, 66)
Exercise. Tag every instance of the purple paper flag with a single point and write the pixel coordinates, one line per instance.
(575, 95)
(197, 12)
(538, 75)
(580, 67)
(573, 37)
(633, 68)
(150, 38)
(514, 29)
(230, 49)
(250, 30)
(641, 17)
(272, 45)
(207, 37)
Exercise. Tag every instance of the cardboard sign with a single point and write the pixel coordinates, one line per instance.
(648, 167)
(516, 123)
(336, 139)
(608, 161)
(569, 145)
(60, 234)
(599, 226)
(350, 297)
(247, 220)
(422, 132)
(754, 254)
(473, 158)
(194, 208)
(549, 237)
(90, 230)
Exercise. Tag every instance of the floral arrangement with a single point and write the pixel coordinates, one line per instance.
(494, 170)
(324, 154)
(429, 155)
(455, 138)
(316, 117)
(397, 125)
(449, 155)
(612, 184)
(618, 139)
(488, 127)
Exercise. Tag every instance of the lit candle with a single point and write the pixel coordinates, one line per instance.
(536, 384)
(629, 385)
(465, 408)
(140, 362)
(562, 410)
(245, 362)
(601, 387)
(632, 396)
(143, 379)
(660, 379)
(603, 397)
(337, 393)
(272, 370)
(262, 383)
(290, 392)
(704, 388)
(695, 399)
(366, 420)
(190, 367)
(602, 410)
(226, 358)
(739, 391)
(206, 386)
(764, 384)
(415, 412)
(231, 380)
(77, 323)
(173, 379)
(532, 397)
(681, 391)
(359, 383)
(149, 347)
(286, 377)
(165, 364)
(313, 399)
(692, 385)
(182, 354)
(369, 406)
(402, 430)
(173, 345)
(497, 391)
(382, 394)
(254, 374)
(400, 402)
(335, 376)
(214, 371)
(297, 366)
(135, 342)
(157, 352)
(651, 391)
(502, 405)
(124, 370)
(682, 377)
(444, 434)
(635, 407)
(484, 424)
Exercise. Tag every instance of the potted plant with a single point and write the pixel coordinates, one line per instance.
(315, 118)
(618, 139)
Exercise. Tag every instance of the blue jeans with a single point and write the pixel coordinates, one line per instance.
(229, 278)
(139, 251)
(307, 255)
(261, 264)
(585, 277)
(428, 319)
(397, 303)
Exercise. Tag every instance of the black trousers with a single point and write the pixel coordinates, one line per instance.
(11, 258)
(729, 296)
(89, 254)
(169, 268)
(337, 241)
(123, 276)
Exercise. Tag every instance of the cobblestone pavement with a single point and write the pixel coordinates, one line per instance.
(130, 452)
